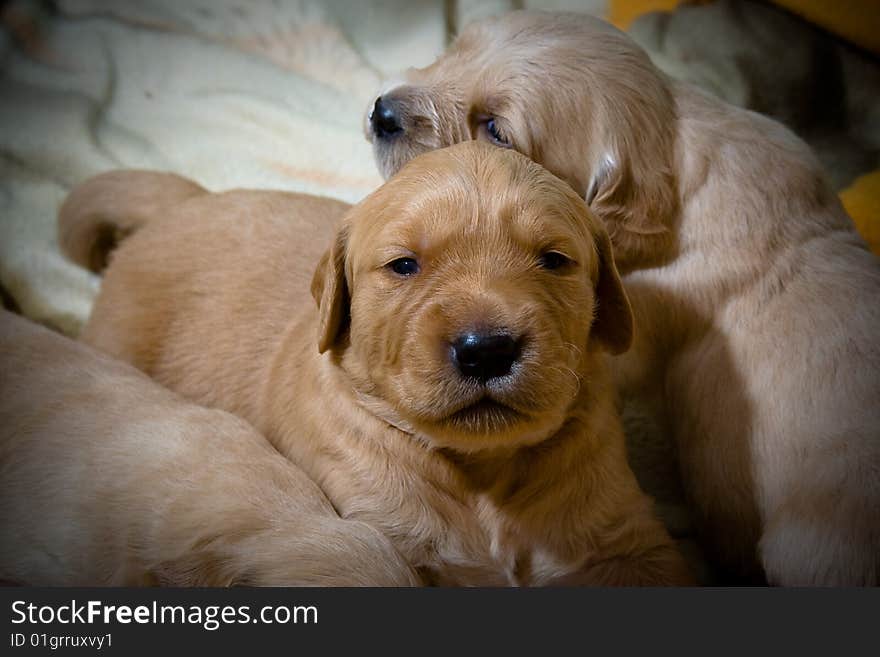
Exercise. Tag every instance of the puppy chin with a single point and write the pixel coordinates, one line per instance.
(391, 154)
(486, 425)
(487, 429)
(476, 427)
(387, 164)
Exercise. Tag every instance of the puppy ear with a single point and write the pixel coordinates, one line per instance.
(603, 178)
(330, 291)
(636, 214)
(613, 317)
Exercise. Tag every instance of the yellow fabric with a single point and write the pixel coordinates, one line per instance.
(857, 21)
(623, 12)
(862, 202)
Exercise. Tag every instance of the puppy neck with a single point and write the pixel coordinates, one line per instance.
(382, 410)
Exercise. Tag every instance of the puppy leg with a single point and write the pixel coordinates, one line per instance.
(648, 558)
(631, 546)
(643, 555)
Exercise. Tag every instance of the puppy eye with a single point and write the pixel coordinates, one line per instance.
(404, 266)
(553, 260)
(495, 135)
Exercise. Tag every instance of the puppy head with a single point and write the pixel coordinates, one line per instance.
(466, 298)
(570, 92)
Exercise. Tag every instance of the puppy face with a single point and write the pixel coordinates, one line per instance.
(568, 91)
(459, 298)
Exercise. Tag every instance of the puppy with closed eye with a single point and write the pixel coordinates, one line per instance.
(449, 389)
(757, 323)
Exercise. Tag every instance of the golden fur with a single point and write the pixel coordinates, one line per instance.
(522, 480)
(106, 478)
(755, 301)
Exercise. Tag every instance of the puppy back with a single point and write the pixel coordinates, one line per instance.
(102, 211)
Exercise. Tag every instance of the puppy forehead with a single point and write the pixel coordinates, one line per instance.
(484, 191)
(534, 29)
(522, 50)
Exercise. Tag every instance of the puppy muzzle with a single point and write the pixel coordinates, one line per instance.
(384, 119)
(484, 356)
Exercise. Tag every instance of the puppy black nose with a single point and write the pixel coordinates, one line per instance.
(484, 357)
(385, 119)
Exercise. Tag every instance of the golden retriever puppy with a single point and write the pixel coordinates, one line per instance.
(108, 479)
(449, 388)
(755, 301)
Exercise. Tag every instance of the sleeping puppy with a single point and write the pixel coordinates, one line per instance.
(755, 300)
(108, 479)
(449, 388)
